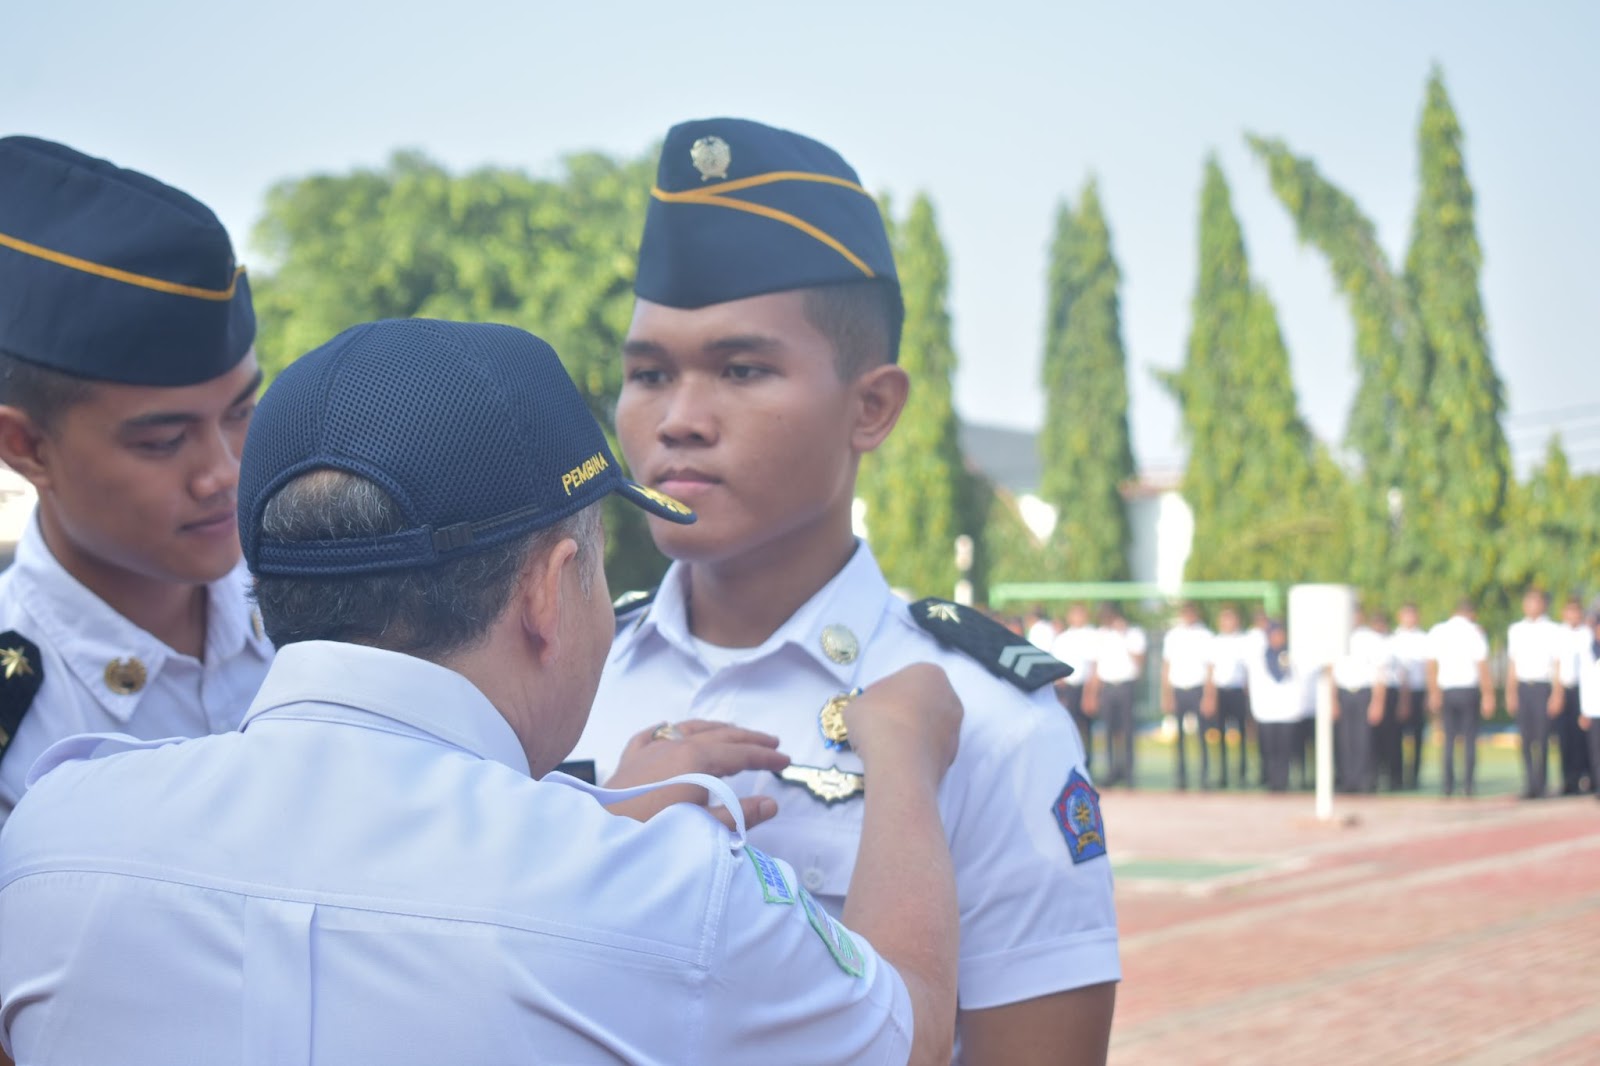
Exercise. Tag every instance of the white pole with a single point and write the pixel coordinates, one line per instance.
(1324, 741)
(1320, 620)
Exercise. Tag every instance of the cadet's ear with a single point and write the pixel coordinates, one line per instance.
(23, 446)
(880, 396)
(539, 597)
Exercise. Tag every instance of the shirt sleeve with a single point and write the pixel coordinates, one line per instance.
(793, 985)
(1032, 875)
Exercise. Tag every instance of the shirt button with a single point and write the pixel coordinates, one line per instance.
(812, 879)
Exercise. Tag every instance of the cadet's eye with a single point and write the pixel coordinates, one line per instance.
(165, 446)
(645, 376)
(241, 413)
(745, 372)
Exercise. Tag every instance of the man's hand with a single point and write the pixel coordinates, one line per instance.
(701, 747)
(1488, 707)
(911, 714)
(1375, 713)
(1557, 700)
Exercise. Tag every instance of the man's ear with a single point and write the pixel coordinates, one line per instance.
(24, 447)
(880, 397)
(540, 600)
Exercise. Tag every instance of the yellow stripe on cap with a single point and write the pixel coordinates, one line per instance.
(127, 277)
(711, 197)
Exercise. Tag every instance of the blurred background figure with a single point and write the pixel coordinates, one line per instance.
(1230, 688)
(1185, 671)
(1459, 690)
(1041, 630)
(1533, 699)
(1120, 661)
(1358, 680)
(1577, 773)
(1278, 698)
(1388, 760)
(1409, 646)
(1078, 692)
(1589, 693)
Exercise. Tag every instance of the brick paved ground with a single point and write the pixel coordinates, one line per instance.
(1416, 931)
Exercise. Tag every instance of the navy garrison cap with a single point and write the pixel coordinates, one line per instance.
(740, 209)
(110, 275)
(475, 431)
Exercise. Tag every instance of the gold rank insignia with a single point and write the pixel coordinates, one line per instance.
(125, 676)
(831, 785)
(711, 157)
(839, 644)
(944, 612)
(14, 663)
(831, 720)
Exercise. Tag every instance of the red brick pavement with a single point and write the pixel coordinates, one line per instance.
(1427, 931)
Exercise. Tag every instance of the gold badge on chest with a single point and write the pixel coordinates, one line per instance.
(830, 720)
(829, 784)
(125, 676)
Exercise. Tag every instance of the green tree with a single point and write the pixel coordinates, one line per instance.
(918, 495)
(1084, 446)
(1266, 499)
(1464, 391)
(554, 256)
(1552, 530)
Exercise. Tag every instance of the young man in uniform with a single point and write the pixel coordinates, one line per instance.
(1576, 770)
(1229, 690)
(1185, 679)
(1533, 696)
(1079, 690)
(1589, 692)
(372, 870)
(127, 383)
(1359, 683)
(1118, 666)
(1460, 690)
(759, 369)
(1409, 644)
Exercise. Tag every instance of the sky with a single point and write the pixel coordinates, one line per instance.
(997, 111)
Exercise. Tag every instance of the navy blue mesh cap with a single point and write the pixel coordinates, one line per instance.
(741, 209)
(108, 274)
(474, 430)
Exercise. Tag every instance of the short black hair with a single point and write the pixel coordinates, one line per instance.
(426, 612)
(41, 393)
(861, 319)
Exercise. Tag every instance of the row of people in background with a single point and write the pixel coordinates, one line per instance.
(1236, 682)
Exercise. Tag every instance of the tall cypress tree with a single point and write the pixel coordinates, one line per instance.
(1465, 393)
(1264, 498)
(915, 486)
(1552, 530)
(1084, 446)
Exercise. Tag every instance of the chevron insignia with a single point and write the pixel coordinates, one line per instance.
(990, 643)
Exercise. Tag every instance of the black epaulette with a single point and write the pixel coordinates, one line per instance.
(21, 674)
(1002, 652)
(637, 600)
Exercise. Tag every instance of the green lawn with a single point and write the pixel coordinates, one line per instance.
(1499, 764)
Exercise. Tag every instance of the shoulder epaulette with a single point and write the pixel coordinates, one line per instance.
(637, 600)
(996, 648)
(21, 674)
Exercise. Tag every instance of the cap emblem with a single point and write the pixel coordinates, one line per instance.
(711, 156)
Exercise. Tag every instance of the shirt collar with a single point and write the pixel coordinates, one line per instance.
(852, 600)
(424, 696)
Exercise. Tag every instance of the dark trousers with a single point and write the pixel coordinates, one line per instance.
(1387, 755)
(1414, 731)
(1352, 742)
(1278, 744)
(1116, 709)
(1593, 733)
(1460, 714)
(1303, 740)
(1233, 709)
(1186, 706)
(1533, 725)
(1072, 699)
(1575, 762)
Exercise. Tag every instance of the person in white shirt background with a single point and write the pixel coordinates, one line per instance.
(1282, 699)
(1229, 688)
(1534, 649)
(1388, 758)
(1460, 690)
(1589, 690)
(1041, 631)
(1185, 675)
(1119, 664)
(1079, 692)
(1409, 645)
(1358, 680)
(1577, 774)
(127, 383)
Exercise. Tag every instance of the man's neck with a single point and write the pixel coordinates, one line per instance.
(739, 603)
(173, 613)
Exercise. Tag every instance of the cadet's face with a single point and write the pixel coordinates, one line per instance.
(739, 411)
(1228, 621)
(1533, 605)
(143, 479)
(1408, 617)
(1572, 614)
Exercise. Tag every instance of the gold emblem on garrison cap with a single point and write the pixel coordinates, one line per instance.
(125, 676)
(14, 662)
(944, 612)
(711, 156)
(839, 644)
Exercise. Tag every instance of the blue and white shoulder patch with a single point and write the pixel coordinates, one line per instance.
(841, 945)
(1077, 812)
(774, 885)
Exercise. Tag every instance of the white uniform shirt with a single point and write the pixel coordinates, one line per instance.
(367, 874)
(1076, 646)
(1589, 681)
(1033, 921)
(1534, 646)
(1230, 659)
(1042, 634)
(1115, 664)
(79, 635)
(1409, 646)
(1366, 663)
(1575, 644)
(1274, 701)
(1458, 645)
(1187, 652)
